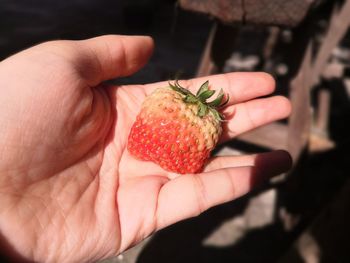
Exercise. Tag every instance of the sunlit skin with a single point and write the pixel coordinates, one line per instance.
(69, 190)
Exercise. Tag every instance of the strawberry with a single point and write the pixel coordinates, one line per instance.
(177, 129)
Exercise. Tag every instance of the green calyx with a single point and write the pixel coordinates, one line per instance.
(201, 97)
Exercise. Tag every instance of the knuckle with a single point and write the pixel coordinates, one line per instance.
(200, 194)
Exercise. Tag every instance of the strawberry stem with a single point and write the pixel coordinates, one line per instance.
(201, 99)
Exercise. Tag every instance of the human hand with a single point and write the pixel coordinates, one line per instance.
(69, 190)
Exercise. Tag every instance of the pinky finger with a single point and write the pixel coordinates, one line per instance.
(189, 195)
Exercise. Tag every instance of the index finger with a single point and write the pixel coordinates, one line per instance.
(240, 86)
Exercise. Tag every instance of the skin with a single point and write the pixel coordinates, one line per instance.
(69, 190)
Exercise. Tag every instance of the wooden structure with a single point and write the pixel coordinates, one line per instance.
(304, 130)
(307, 128)
(263, 12)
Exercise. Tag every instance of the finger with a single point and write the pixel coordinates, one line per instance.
(190, 195)
(114, 56)
(102, 58)
(246, 116)
(240, 86)
(274, 158)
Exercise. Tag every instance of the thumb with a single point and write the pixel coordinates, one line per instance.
(106, 57)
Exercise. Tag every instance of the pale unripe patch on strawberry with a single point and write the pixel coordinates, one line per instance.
(177, 129)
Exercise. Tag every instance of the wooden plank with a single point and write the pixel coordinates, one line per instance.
(323, 111)
(226, 11)
(218, 49)
(300, 119)
(206, 65)
(339, 25)
(272, 136)
(320, 143)
(276, 12)
(260, 12)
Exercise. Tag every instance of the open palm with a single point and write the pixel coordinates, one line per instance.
(69, 190)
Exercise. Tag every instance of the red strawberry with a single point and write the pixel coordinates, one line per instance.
(177, 129)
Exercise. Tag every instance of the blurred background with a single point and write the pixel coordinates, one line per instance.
(303, 216)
